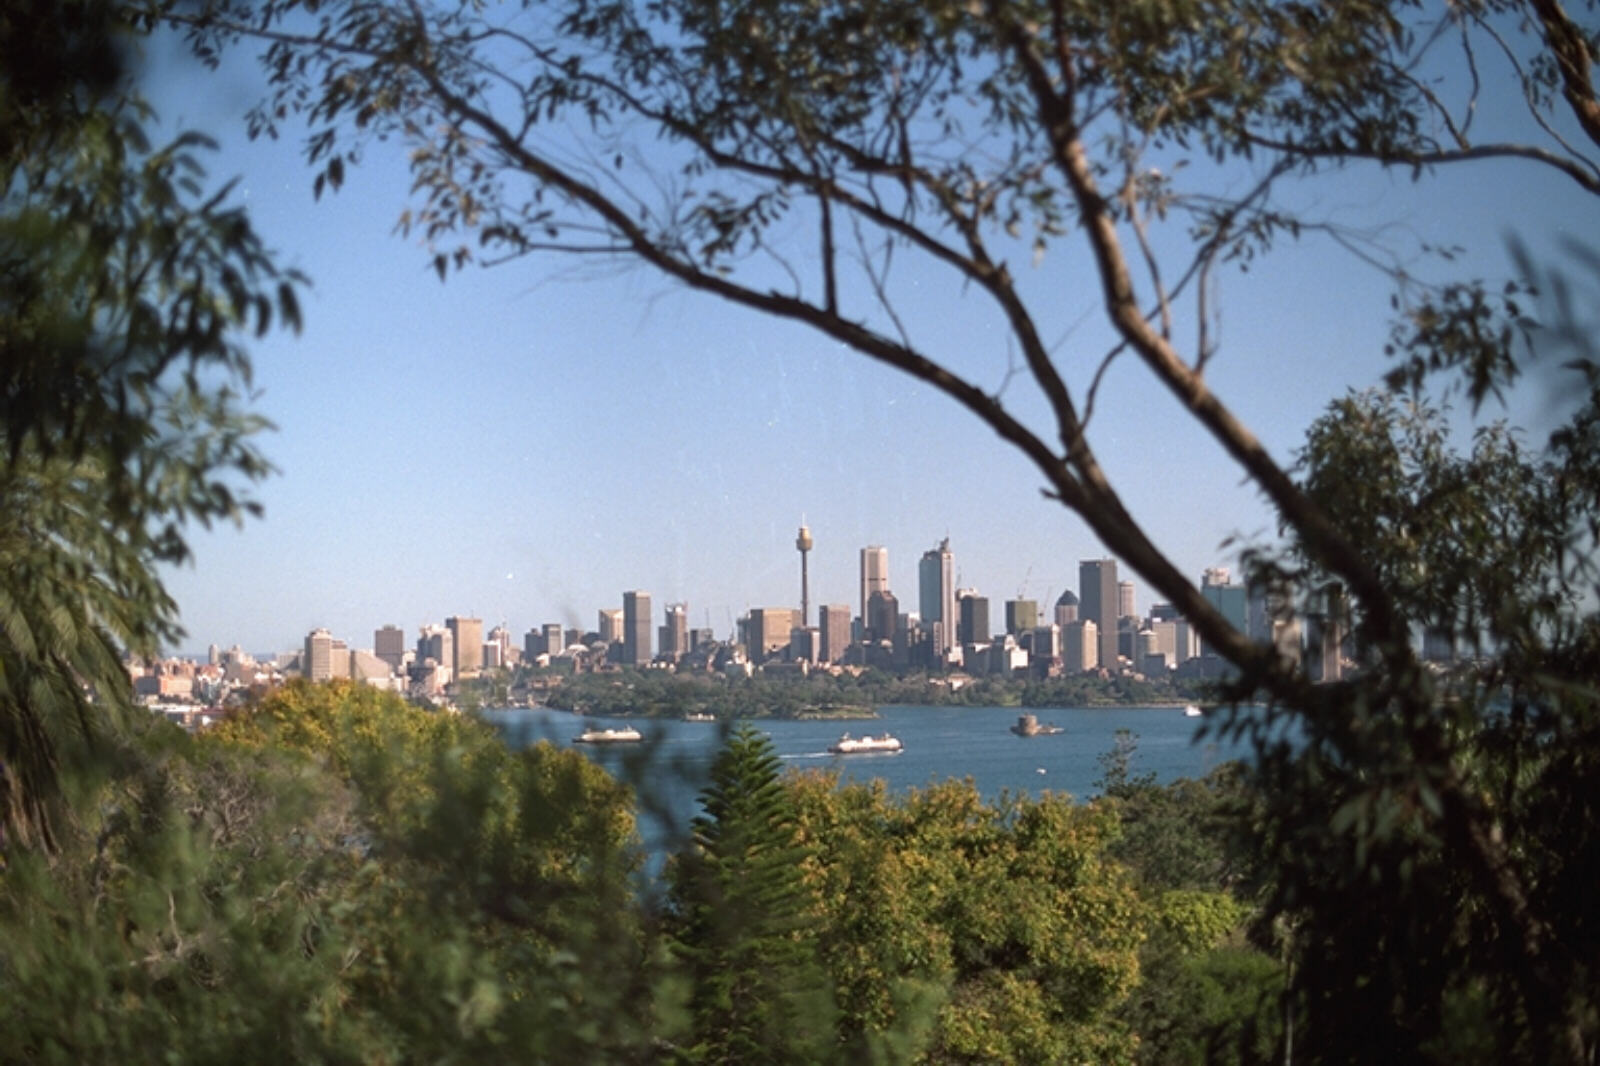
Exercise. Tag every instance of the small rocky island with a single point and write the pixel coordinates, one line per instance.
(1028, 725)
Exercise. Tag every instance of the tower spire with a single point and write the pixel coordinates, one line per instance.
(803, 543)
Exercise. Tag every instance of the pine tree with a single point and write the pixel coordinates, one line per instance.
(747, 933)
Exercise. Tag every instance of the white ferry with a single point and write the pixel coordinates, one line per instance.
(848, 745)
(626, 735)
(1191, 711)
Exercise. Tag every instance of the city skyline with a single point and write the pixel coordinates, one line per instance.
(636, 623)
(459, 446)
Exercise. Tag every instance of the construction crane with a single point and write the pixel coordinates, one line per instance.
(1022, 589)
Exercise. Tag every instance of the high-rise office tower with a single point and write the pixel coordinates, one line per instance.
(554, 639)
(675, 630)
(610, 624)
(835, 619)
(1080, 646)
(1022, 616)
(883, 616)
(636, 628)
(874, 576)
(437, 643)
(1067, 608)
(500, 637)
(1233, 603)
(768, 631)
(973, 626)
(1045, 642)
(533, 645)
(802, 543)
(937, 600)
(389, 644)
(1125, 606)
(468, 636)
(317, 665)
(1097, 603)
(805, 645)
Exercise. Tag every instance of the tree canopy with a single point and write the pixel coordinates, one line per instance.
(126, 290)
(791, 157)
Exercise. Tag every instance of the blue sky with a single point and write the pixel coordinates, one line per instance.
(523, 443)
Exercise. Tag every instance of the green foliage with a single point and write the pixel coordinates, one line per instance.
(339, 878)
(962, 932)
(1183, 835)
(1215, 1006)
(124, 288)
(524, 836)
(193, 907)
(1404, 798)
(747, 920)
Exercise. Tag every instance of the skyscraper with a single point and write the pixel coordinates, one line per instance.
(675, 630)
(1080, 646)
(1067, 607)
(317, 665)
(636, 628)
(610, 624)
(1233, 603)
(439, 644)
(468, 636)
(1125, 606)
(835, 619)
(1097, 603)
(500, 638)
(389, 644)
(874, 576)
(768, 630)
(973, 626)
(883, 616)
(937, 599)
(554, 639)
(1022, 616)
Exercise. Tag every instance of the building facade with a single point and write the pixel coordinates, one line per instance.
(1097, 603)
(675, 631)
(468, 636)
(937, 600)
(835, 630)
(1066, 608)
(768, 631)
(974, 622)
(1080, 646)
(317, 664)
(874, 576)
(389, 644)
(636, 628)
(883, 616)
(1022, 616)
(1233, 603)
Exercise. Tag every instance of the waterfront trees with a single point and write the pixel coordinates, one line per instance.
(710, 140)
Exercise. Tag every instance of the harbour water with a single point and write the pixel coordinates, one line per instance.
(940, 743)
